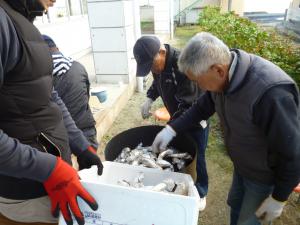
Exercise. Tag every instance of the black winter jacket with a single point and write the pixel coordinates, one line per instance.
(176, 90)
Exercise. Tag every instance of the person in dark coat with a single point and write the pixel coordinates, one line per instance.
(72, 84)
(177, 93)
(37, 133)
(258, 107)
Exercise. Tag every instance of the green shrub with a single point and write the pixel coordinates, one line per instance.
(241, 33)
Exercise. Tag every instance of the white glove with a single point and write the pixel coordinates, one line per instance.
(163, 138)
(145, 108)
(269, 210)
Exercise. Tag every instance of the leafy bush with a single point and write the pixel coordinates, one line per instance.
(241, 33)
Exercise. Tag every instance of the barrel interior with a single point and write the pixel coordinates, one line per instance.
(146, 134)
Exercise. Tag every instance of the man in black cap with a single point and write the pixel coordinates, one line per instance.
(177, 92)
(37, 134)
(72, 84)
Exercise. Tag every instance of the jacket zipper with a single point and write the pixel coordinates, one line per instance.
(227, 131)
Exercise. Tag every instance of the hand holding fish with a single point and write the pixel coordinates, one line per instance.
(163, 138)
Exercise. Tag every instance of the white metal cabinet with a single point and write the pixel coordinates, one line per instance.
(113, 33)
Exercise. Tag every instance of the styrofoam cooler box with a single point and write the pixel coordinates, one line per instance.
(120, 205)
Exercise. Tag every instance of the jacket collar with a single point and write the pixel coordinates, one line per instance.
(243, 63)
(170, 58)
(233, 64)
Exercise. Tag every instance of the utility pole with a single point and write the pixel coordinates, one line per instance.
(229, 5)
(70, 7)
(67, 9)
(179, 12)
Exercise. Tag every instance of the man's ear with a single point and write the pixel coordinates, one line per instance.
(222, 70)
(162, 52)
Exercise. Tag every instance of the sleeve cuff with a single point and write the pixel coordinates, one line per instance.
(281, 195)
(79, 145)
(45, 164)
(171, 130)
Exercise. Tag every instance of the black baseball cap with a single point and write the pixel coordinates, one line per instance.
(144, 51)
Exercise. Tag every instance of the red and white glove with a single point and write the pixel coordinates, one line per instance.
(89, 158)
(63, 187)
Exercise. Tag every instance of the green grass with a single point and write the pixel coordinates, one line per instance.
(147, 27)
(216, 150)
(183, 34)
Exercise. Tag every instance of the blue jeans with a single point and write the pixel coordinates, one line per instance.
(201, 137)
(244, 198)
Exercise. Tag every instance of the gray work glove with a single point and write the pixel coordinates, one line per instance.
(269, 210)
(163, 138)
(145, 108)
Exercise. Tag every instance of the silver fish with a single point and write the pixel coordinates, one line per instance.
(136, 162)
(140, 146)
(181, 164)
(160, 187)
(181, 189)
(138, 181)
(144, 156)
(181, 155)
(163, 163)
(149, 163)
(134, 154)
(165, 153)
(168, 185)
(123, 183)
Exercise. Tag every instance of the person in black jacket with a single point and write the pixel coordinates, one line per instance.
(258, 107)
(177, 92)
(37, 133)
(72, 84)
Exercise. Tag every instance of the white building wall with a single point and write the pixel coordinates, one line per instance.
(136, 19)
(238, 6)
(195, 6)
(270, 6)
(70, 33)
(144, 2)
(295, 4)
(293, 14)
(147, 13)
(72, 36)
(192, 17)
(163, 15)
(180, 5)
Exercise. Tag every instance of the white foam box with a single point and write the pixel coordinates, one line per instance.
(120, 205)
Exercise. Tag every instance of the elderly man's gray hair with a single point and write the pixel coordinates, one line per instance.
(201, 52)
